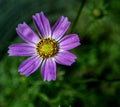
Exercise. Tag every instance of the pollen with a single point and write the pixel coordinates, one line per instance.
(46, 48)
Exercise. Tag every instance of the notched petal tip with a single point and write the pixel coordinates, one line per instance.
(9, 53)
(26, 75)
(21, 25)
(38, 13)
(46, 80)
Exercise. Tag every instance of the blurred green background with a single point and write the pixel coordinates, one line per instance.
(92, 81)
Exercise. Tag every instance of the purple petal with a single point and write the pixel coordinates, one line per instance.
(69, 42)
(42, 24)
(21, 49)
(60, 27)
(27, 34)
(48, 70)
(65, 58)
(30, 65)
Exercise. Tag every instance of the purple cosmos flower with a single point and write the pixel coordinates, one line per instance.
(47, 48)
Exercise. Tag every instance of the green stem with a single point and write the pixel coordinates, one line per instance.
(78, 15)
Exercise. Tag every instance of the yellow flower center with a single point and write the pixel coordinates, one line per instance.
(46, 48)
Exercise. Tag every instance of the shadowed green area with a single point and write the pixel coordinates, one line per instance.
(92, 81)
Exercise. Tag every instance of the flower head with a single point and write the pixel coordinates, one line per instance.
(47, 48)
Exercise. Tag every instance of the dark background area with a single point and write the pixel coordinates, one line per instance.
(92, 81)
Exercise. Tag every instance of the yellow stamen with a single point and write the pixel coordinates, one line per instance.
(46, 48)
